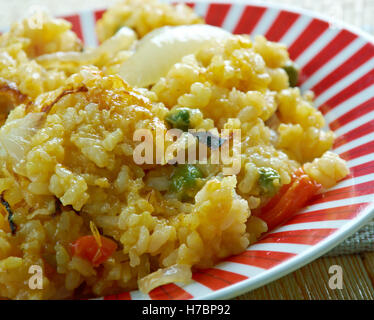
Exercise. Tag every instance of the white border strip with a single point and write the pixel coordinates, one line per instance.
(353, 181)
(279, 247)
(345, 106)
(138, 295)
(265, 22)
(295, 31)
(240, 268)
(338, 203)
(233, 16)
(196, 289)
(88, 28)
(328, 224)
(355, 143)
(318, 45)
(333, 64)
(343, 83)
(360, 160)
(355, 124)
(201, 9)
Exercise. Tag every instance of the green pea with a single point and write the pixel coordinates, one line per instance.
(293, 74)
(179, 119)
(266, 180)
(185, 179)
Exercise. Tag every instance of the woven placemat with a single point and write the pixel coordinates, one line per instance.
(361, 241)
(356, 12)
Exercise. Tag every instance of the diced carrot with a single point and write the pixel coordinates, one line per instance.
(291, 198)
(88, 248)
(49, 270)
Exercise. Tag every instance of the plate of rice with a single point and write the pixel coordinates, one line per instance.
(179, 151)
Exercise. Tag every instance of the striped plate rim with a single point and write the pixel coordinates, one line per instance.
(321, 46)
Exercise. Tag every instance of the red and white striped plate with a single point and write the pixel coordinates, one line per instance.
(337, 63)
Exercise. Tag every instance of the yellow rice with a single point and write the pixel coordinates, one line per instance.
(75, 165)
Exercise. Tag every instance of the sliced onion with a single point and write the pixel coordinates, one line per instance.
(55, 59)
(16, 135)
(160, 49)
(122, 40)
(175, 273)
